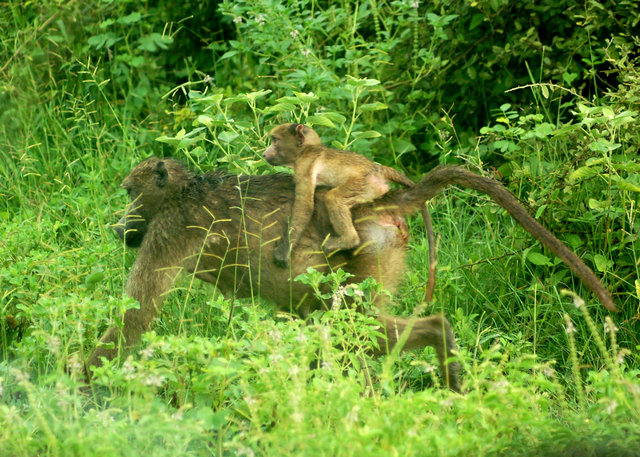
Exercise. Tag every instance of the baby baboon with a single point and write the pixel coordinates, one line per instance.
(353, 178)
(223, 227)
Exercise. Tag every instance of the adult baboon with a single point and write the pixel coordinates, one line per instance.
(223, 227)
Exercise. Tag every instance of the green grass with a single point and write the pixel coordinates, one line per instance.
(74, 122)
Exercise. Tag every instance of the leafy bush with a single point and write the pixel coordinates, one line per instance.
(543, 96)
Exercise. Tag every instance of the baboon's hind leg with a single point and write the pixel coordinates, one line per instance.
(432, 331)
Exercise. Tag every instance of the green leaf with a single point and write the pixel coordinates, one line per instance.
(205, 120)
(306, 97)
(377, 106)
(544, 90)
(537, 258)
(130, 19)
(320, 120)
(626, 185)
(227, 136)
(602, 263)
(258, 94)
(282, 107)
(583, 173)
(94, 278)
(603, 145)
(367, 134)
(334, 117)
(228, 55)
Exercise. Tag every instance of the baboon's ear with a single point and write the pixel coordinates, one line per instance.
(162, 175)
(300, 133)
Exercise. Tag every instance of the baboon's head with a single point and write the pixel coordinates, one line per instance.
(149, 186)
(287, 141)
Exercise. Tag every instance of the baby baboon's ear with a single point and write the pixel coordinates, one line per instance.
(162, 175)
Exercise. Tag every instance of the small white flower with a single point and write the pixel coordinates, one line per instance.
(154, 380)
(621, 355)
(74, 364)
(611, 407)
(250, 401)
(548, 371)
(294, 34)
(305, 52)
(609, 326)
(275, 334)
(20, 376)
(207, 79)
(105, 417)
(177, 415)
(54, 344)
(247, 452)
(447, 403)
(337, 297)
(146, 353)
(415, 4)
(352, 416)
(301, 337)
(128, 369)
(501, 386)
(275, 358)
(578, 302)
(325, 334)
(260, 19)
(428, 368)
(570, 328)
(294, 370)
(237, 19)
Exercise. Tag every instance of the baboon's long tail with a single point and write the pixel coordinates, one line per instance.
(396, 176)
(413, 199)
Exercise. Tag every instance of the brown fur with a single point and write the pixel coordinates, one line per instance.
(353, 180)
(173, 214)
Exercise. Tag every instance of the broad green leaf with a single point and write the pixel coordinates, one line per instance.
(334, 117)
(607, 112)
(130, 18)
(289, 99)
(603, 145)
(227, 136)
(626, 185)
(306, 97)
(602, 263)
(537, 258)
(258, 94)
(377, 106)
(583, 173)
(544, 90)
(205, 120)
(228, 55)
(367, 134)
(282, 107)
(320, 120)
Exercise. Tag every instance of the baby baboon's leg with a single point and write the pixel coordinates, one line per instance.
(432, 331)
(339, 201)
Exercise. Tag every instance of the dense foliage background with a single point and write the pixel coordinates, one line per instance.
(543, 95)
